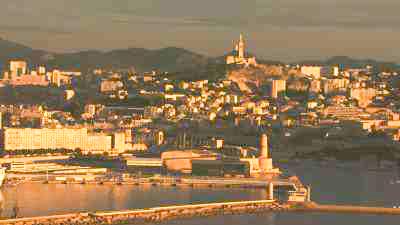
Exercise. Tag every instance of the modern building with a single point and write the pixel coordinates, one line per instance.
(336, 85)
(312, 71)
(14, 139)
(181, 160)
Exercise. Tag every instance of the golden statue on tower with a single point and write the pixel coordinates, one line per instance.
(238, 54)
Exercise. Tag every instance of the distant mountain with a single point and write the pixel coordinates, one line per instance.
(11, 50)
(179, 61)
(170, 59)
(166, 59)
(351, 62)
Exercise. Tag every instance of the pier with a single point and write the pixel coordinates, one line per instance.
(157, 181)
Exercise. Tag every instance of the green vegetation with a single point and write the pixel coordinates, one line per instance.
(37, 152)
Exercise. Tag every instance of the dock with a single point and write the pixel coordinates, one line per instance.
(211, 182)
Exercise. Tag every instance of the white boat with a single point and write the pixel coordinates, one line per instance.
(2, 175)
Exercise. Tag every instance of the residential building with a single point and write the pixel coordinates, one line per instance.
(278, 86)
(14, 139)
(312, 71)
(18, 68)
(364, 96)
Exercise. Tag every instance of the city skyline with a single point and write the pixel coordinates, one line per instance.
(281, 31)
(199, 112)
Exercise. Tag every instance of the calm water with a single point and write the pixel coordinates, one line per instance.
(332, 182)
(40, 199)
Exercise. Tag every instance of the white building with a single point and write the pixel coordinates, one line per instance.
(312, 71)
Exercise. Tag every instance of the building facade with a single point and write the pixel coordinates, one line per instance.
(312, 71)
(14, 139)
(239, 54)
(278, 86)
(18, 68)
(364, 96)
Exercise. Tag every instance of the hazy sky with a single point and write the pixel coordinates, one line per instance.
(275, 29)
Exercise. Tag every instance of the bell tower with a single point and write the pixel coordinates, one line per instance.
(241, 47)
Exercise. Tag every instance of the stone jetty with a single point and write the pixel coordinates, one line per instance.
(159, 214)
(156, 214)
(311, 206)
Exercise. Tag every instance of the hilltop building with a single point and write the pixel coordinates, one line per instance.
(239, 54)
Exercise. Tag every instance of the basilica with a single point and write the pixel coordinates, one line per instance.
(238, 55)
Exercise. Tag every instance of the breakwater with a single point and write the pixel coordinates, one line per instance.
(156, 214)
(159, 214)
(350, 209)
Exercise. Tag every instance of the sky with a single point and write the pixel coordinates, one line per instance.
(276, 30)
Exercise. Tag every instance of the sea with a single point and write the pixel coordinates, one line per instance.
(332, 182)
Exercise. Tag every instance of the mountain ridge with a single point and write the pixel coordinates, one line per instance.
(171, 59)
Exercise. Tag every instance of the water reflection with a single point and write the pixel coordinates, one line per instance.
(335, 182)
(44, 199)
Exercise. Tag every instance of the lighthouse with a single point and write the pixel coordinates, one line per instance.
(264, 160)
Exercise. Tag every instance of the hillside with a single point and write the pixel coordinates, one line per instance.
(352, 62)
(181, 63)
(170, 59)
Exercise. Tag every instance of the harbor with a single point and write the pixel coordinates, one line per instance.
(278, 193)
(75, 198)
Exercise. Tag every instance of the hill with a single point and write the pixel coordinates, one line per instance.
(181, 63)
(352, 62)
(170, 59)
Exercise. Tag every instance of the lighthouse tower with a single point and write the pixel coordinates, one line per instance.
(265, 161)
(264, 146)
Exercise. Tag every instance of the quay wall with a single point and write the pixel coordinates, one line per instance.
(162, 181)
